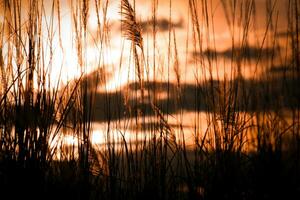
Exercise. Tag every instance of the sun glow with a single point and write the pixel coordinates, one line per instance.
(98, 137)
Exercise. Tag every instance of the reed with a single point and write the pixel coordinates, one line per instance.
(249, 147)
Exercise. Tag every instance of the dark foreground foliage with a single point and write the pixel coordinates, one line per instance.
(220, 175)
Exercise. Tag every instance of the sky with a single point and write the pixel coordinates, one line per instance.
(114, 57)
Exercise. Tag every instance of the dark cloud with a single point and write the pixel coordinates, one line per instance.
(246, 52)
(282, 69)
(285, 34)
(279, 92)
(161, 25)
(96, 78)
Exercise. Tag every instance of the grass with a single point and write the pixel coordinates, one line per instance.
(249, 147)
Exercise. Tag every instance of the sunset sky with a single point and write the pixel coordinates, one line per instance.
(116, 47)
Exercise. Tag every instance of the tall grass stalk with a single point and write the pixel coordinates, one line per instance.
(249, 147)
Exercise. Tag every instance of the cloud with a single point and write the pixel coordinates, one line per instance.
(282, 69)
(246, 52)
(96, 78)
(161, 25)
(285, 34)
(258, 95)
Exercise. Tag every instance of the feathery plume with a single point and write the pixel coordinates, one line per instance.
(131, 30)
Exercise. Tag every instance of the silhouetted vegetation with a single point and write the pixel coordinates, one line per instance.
(245, 131)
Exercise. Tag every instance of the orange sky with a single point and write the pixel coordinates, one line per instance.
(109, 57)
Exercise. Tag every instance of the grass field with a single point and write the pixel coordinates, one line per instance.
(158, 99)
